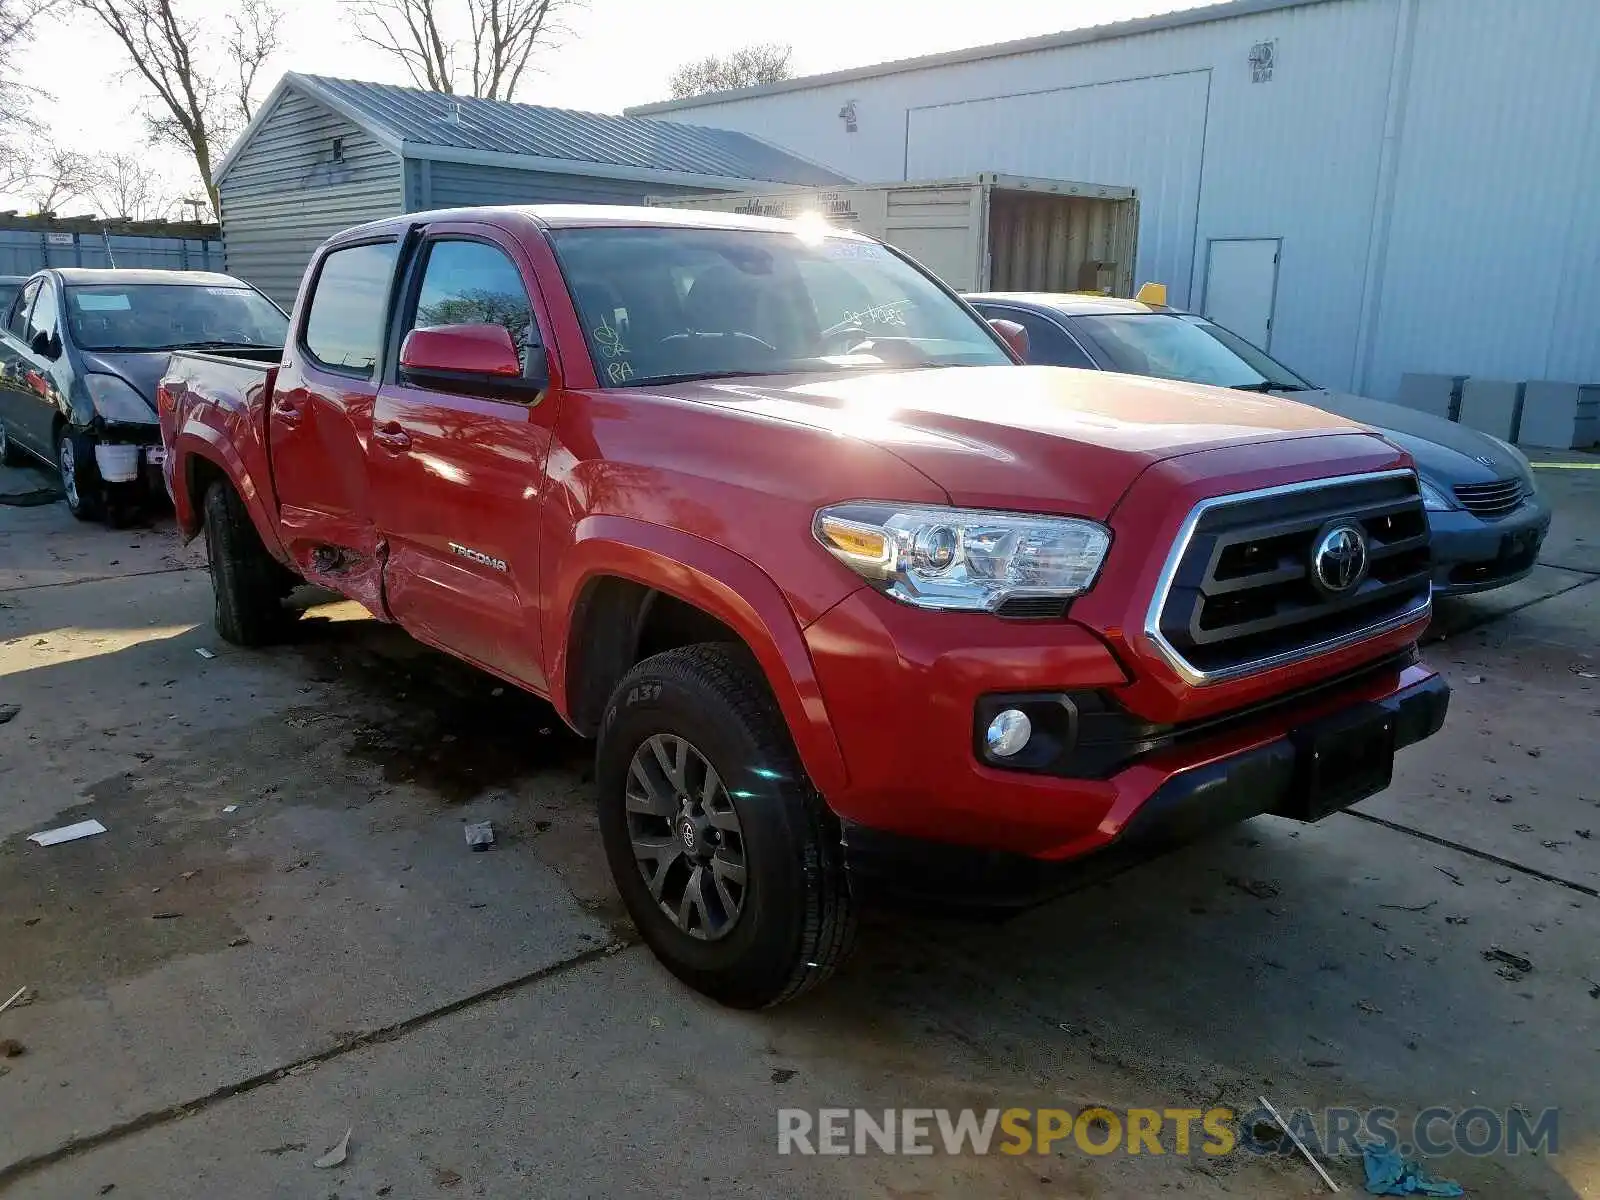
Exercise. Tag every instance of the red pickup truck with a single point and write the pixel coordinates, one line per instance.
(855, 605)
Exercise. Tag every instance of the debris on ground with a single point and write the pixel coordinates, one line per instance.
(1299, 1145)
(165, 916)
(1520, 827)
(203, 652)
(239, 941)
(7, 711)
(446, 1178)
(336, 1154)
(1512, 966)
(67, 833)
(1474, 678)
(1368, 1007)
(1501, 798)
(782, 1074)
(480, 836)
(229, 808)
(1410, 907)
(1585, 834)
(15, 996)
(1450, 875)
(1261, 889)
(1390, 1175)
(1456, 920)
(11, 1048)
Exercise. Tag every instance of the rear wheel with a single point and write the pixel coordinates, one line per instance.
(249, 585)
(726, 857)
(80, 478)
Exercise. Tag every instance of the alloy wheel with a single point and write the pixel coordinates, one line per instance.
(686, 836)
(69, 470)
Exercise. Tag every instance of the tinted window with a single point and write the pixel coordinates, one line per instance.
(1182, 347)
(43, 320)
(680, 303)
(344, 328)
(1048, 343)
(8, 293)
(471, 283)
(172, 316)
(19, 315)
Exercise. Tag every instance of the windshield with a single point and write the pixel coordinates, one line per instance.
(660, 305)
(172, 316)
(1184, 347)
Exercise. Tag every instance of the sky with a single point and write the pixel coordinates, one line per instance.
(616, 53)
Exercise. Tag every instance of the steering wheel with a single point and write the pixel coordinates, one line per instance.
(830, 336)
(732, 333)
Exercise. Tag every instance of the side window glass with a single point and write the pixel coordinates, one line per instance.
(19, 315)
(43, 319)
(1047, 344)
(344, 327)
(473, 283)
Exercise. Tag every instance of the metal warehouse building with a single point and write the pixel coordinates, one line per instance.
(1372, 186)
(325, 154)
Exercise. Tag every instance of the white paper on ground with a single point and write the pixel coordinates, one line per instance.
(67, 833)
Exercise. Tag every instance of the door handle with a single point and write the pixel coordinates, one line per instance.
(286, 410)
(392, 437)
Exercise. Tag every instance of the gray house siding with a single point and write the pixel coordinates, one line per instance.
(435, 184)
(286, 194)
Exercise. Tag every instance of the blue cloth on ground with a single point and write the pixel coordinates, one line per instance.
(1390, 1175)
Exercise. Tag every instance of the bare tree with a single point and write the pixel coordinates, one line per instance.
(500, 35)
(123, 185)
(54, 176)
(194, 106)
(18, 20)
(764, 62)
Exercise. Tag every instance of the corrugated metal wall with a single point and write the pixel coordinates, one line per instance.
(286, 194)
(24, 251)
(432, 184)
(1490, 155)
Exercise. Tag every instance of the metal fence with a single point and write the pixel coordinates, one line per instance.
(27, 246)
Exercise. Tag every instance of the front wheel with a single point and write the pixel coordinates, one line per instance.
(726, 857)
(80, 478)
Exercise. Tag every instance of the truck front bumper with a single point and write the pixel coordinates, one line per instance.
(1267, 778)
(926, 809)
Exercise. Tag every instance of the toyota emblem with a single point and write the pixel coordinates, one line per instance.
(1339, 559)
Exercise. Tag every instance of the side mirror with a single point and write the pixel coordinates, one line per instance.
(469, 350)
(45, 345)
(1012, 335)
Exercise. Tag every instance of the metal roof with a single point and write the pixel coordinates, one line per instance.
(419, 124)
(1049, 41)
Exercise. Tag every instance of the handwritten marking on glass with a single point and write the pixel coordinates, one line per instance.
(619, 372)
(609, 340)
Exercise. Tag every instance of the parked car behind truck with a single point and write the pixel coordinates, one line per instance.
(80, 353)
(853, 604)
(1485, 515)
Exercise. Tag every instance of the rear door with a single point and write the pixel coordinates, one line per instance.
(321, 419)
(457, 479)
(15, 396)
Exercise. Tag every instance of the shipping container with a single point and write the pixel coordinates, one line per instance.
(981, 233)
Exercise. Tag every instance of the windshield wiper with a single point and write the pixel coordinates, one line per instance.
(221, 346)
(693, 376)
(1267, 386)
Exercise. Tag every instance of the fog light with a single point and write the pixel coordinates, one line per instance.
(1008, 733)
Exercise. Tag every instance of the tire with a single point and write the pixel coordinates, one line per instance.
(248, 583)
(80, 478)
(795, 920)
(11, 454)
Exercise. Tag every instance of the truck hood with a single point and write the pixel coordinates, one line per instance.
(1444, 451)
(1047, 439)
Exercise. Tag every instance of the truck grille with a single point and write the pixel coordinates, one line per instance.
(1490, 500)
(1268, 577)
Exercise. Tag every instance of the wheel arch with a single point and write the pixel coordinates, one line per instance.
(630, 589)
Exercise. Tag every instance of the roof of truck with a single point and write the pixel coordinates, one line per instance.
(578, 216)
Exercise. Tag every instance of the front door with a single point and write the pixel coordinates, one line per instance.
(1242, 286)
(321, 419)
(457, 479)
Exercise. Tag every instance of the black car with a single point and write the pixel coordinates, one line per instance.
(1486, 519)
(81, 352)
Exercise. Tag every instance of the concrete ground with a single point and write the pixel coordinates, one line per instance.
(283, 935)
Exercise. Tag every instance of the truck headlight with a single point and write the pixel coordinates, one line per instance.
(1434, 497)
(968, 560)
(116, 400)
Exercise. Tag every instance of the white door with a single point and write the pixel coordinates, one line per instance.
(1241, 285)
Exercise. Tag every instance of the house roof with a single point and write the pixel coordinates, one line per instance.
(1049, 41)
(418, 124)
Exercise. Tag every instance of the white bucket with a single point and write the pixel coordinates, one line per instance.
(118, 464)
